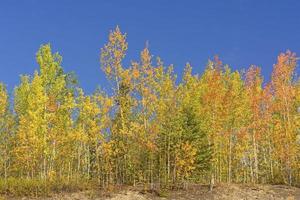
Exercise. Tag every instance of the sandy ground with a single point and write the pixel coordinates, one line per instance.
(221, 192)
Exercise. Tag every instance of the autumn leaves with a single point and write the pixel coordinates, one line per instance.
(222, 125)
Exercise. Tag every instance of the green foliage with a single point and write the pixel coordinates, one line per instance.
(39, 187)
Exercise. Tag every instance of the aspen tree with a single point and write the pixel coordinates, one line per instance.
(212, 94)
(284, 114)
(253, 84)
(111, 58)
(31, 138)
(6, 133)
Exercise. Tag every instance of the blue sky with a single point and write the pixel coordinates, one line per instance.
(241, 32)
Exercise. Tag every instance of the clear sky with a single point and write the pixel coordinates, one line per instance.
(241, 32)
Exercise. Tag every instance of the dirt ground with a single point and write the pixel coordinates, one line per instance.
(221, 192)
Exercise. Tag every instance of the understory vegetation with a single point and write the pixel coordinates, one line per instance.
(153, 130)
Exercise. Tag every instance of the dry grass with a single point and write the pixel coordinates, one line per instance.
(194, 192)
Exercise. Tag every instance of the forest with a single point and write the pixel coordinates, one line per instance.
(221, 126)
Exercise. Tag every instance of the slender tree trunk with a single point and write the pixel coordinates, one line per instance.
(255, 157)
(169, 164)
(230, 159)
(212, 181)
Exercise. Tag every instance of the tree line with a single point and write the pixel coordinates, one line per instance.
(220, 126)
